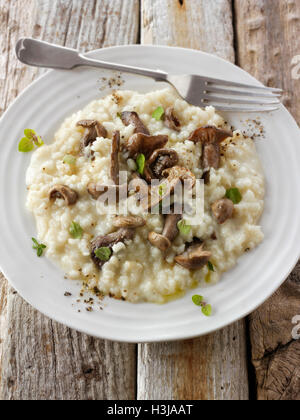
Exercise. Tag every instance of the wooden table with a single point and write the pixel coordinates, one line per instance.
(254, 358)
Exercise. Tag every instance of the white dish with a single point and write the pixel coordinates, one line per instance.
(43, 107)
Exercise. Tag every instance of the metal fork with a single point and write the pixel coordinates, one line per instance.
(197, 90)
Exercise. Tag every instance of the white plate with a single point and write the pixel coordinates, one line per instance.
(44, 106)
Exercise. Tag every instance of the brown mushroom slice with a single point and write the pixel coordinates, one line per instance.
(180, 173)
(114, 165)
(144, 144)
(108, 241)
(132, 118)
(171, 121)
(97, 190)
(223, 210)
(159, 241)
(170, 232)
(162, 159)
(128, 222)
(210, 137)
(194, 258)
(64, 192)
(94, 130)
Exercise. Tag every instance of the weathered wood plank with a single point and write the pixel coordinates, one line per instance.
(40, 359)
(275, 25)
(212, 367)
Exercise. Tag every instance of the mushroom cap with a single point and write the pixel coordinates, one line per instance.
(128, 222)
(179, 173)
(63, 191)
(223, 210)
(194, 258)
(145, 144)
(171, 121)
(130, 117)
(162, 159)
(159, 241)
(94, 130)
(209, 135)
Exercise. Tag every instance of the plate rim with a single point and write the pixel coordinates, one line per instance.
(180, 336)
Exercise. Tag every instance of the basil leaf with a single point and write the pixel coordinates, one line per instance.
(207, 310)
(197, 299)
(234, 195)
(103, 253)
(158, 113)
(183, 227)
(25, 145)
(76, 230)
(30, 140)
(29, 134)
(140, 161)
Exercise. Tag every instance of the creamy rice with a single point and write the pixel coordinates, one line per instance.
(137, 271)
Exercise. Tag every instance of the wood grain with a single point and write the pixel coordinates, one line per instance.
(275, 25)
(197, 369)
(40, 359)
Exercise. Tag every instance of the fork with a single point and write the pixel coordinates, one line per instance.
(197, 90)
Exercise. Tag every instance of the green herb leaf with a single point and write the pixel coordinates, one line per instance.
(162, 189)
(29, 134)
(103, 253)
(234, 195)
(158, 113)
(119, 115)
(210, 266)
(25, 145)
(207, 310)
(183, 227)
(76, 230)
(197, 299)
(39, 247)
(140, 161)
(70, 160)
(30, 140)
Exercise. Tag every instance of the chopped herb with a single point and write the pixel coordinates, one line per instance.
(30, 140)
(197, 299)
(210, 266)
(39, 247)
(25, 145)
(76, 230)
(70, 160)
(140, 161)
(158, 113)
(183, 227)
(234, 195)
(103, 253)
(207, 310)
(119, 115)
(162, 189)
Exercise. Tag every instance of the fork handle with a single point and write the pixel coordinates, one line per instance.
(38, 53)
(158, 76)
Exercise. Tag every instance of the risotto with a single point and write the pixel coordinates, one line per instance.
(142, 256)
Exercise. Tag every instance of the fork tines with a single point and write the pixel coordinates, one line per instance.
(220, 92)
